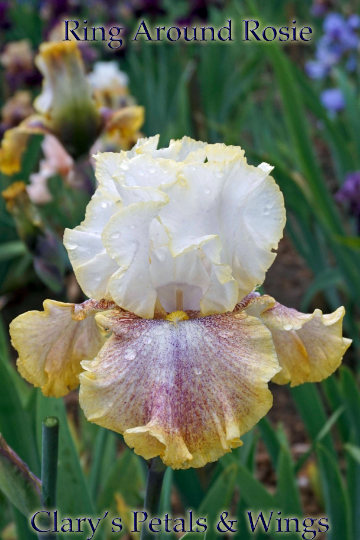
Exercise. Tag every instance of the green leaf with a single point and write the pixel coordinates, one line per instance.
(352, 242)
(73, 498)
(352, 111)
(126, 478)
(270, 439)
(19, 485)
(353, 450)
(332, 391)
(10, 250)
(336, 498)
(310, 406)
(23, 527)
(298, 128)
(287, 494)
(218, 499)
(320, 436)
(98, 452)
(254, 493)
(15, 424)
(23, 389)
(323, 280)
(189, 486)
(165, 500)
(351, 396)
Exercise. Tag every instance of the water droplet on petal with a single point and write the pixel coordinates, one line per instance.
(269, 206)
(148, 340)
(141, 172)
(103, 205)
(207, 191)
(161, 256)
(97, 278)
(288, 327)
(266, 211)
(71, 246)
(219, 174)
(130, 354)
(115, 235)
(152, 170)
(198, 371)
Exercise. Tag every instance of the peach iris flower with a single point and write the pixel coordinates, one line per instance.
(175, 349)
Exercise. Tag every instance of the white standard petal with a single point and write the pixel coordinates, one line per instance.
(191, 217)
(186, 149)
(126, 238)
(107, 164)
(235, 203)
(180, 282)
(253, 218)
(192, 222)
(144, 146)
(221, 152)
(144, 170)
(92, 265)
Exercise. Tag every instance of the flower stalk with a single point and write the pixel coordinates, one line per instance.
(49, 463)
(154, 483)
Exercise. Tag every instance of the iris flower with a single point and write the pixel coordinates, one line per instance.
(175, 348)
(66, 108)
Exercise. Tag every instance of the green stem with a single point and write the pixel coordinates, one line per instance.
(152, 497)
(49, 463)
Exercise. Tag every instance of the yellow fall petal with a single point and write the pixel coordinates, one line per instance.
(124, 125)
(52, 343)
(185, 390)
(310, 347)
(15, 142)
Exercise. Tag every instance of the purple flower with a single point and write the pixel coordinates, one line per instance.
(351, 63)
(335, 25)
(316, 70)
(341, 31)
(318, 9)
(354, 21)
(333, 99)
(350, 193)
(328, 52)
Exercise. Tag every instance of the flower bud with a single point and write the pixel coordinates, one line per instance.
(47, 251)
(66, 99)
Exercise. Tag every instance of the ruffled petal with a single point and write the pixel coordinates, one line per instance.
(185, 390)
(234, 213)
(252, 218)
(186, 150)
(126, 239)
(222, 152)
(222, 294)
(310, 347)
(52, 343)
(14, 143)
(92, 265)
(144, 170)
(143, 146)
(106, 165)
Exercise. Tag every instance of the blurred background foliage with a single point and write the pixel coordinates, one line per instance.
(295, 106)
